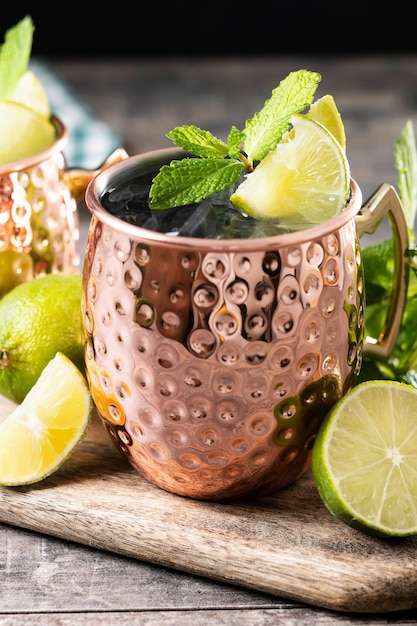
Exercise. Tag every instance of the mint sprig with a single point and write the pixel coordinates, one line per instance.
(14, 55)
(220, 164)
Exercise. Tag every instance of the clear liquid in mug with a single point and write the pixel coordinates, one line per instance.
(213, 217)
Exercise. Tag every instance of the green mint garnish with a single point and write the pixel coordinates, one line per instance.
(265, 129)
(220, 164)
(14, 55)
(199, 142)
(406, 165)
(172, 186)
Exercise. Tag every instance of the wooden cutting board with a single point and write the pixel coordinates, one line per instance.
(286, 544)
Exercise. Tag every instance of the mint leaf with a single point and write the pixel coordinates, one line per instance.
(198, 142)
(266, 128)
(377, 260)
(235, 141)
(403, 361)
(190, 180)
(406, 163)
(14, 55)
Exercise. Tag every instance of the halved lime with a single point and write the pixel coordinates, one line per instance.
(325, 111)
(364, 460)
(303, 182)
(42, 432)
(23, 132)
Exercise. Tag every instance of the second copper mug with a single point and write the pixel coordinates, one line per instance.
(212, 362)
(39, 221)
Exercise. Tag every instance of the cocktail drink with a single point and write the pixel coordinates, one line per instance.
(217, 339)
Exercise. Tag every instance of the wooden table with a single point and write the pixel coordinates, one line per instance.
(52, 581)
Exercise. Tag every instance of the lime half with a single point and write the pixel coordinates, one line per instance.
(303, 182)
(364, 460)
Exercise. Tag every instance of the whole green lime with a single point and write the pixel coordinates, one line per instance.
(38, 319)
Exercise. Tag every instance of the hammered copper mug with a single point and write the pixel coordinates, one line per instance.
(39, 222)
(212, 362)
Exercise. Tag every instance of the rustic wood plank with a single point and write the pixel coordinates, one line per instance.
(286, 544)
(239, 617)
(48, 574)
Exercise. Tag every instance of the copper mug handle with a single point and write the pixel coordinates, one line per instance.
(77, 180)
(385, 202)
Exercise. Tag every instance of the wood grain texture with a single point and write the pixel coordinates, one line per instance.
(286, 544)
(216, 617)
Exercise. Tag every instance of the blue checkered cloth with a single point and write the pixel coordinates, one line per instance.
(91, 140)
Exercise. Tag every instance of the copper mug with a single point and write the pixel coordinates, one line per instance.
(39, 222)
(212, 362)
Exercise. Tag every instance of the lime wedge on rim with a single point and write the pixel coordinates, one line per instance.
(325, 111)
(30, 92)
(364, 460)
(302, 182)
(23, 132)
(45, 429)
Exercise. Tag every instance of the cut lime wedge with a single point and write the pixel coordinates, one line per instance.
(23, 132)
(324, 110)
(303, 182)
(43, 432)
(30, 92)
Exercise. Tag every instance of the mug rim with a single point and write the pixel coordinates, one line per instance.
(101, 181)
(58, 145)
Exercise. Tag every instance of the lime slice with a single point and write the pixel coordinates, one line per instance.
(364, 460)
(23, 132)
(30, 92)
(304, 181)
(42, 432)
(324, 110)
